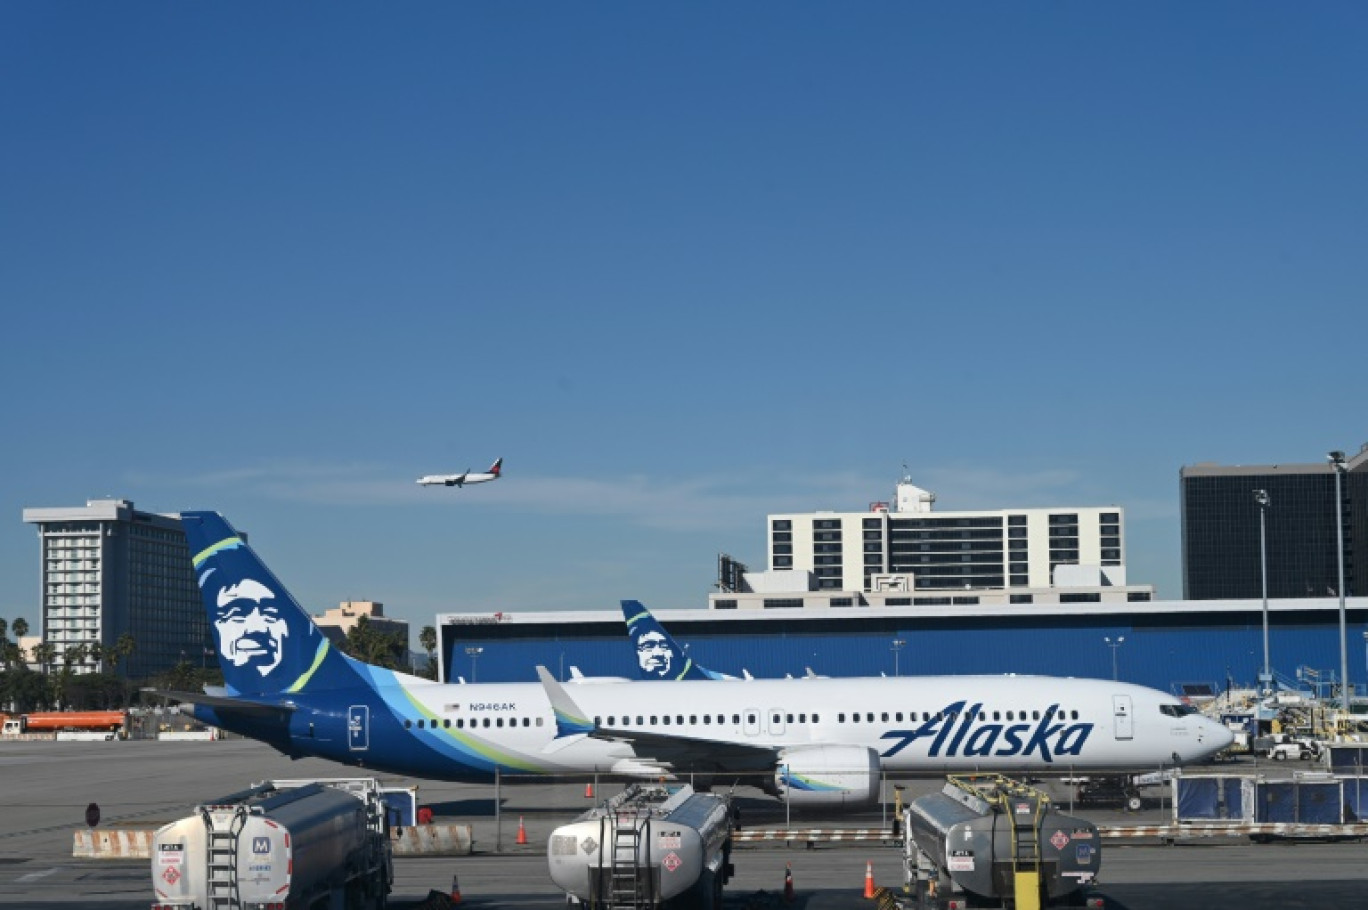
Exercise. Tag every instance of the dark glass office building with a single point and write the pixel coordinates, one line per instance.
(1220, 516)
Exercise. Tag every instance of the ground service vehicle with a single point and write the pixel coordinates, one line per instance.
(988, 841)
(647, 847)
(1286, 746)
(271, 848)
(56, 721)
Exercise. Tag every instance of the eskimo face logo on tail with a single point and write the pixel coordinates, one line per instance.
(653, 653)
(251, 628)
(956, 732)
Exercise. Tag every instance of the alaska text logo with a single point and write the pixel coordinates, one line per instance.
(956, 732)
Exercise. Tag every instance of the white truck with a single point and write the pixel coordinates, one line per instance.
(1285, 746)
(277, 848)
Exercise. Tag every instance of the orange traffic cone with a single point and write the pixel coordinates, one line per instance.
(788, 883)
(522, 832)
(455, 891)
(869, 879)
(589, 790)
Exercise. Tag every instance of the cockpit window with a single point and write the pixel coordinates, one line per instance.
(1178, 710)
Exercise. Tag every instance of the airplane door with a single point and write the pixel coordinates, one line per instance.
(752, 722)
(358, 728)
(776, 722)
(1121, 712)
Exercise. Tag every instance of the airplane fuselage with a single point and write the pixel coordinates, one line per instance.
(915, 725)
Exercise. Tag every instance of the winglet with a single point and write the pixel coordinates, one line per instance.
(570, 720)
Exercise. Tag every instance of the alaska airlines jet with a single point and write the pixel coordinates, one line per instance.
(460, 480)
(658, 655)
(820, 742)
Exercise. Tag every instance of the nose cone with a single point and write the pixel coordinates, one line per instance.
(1215, 736)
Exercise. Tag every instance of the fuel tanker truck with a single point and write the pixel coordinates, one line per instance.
(651, 846)
(988, 841)
(277, 848)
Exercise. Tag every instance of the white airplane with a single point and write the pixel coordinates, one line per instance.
(460, 480)
(822, 742)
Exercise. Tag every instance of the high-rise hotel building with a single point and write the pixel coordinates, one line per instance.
(109, 569)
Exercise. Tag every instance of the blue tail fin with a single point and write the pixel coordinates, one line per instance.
(267, 644)
(658, 655)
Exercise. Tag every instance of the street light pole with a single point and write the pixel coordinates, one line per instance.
(897, 645)
(1261, 497)
(1337, 465)
(474, 654)
(1114, 645)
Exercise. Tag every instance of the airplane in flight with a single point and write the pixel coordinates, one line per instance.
(460, 480)
(821, 743)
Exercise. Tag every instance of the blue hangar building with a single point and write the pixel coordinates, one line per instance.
(1167, 645)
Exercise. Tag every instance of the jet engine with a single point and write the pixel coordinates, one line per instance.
(835, 777)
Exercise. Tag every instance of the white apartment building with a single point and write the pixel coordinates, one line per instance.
(905, 553)
(109, 569)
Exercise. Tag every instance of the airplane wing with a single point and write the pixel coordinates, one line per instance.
(696, 754)
(664, 749)
(224, 702)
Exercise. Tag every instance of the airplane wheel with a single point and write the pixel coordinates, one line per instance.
(1134, 803)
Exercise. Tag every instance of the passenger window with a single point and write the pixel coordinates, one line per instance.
(802, 718)
(1073, 715)
(408, 724)
(539, 721)
(707, 718)
(997, 715)
(612, 721)
(816, 719)
(693, 718)
(840, 718)
(789, 718)
(898, 716)
(447, 723)
(870, 717)
(654, 722)
(1035, 715)
(420, 725)
(854, 718)
(884, 717)
(640, 722)
(736, 719)
(486, 723)
(679, 719)
(498, 722)
(666, 720)
(598, 721)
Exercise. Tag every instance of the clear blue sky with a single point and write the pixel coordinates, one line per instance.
(682, 265)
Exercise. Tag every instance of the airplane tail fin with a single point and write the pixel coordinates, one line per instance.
(497, 467)
(267, 645)
(659, 656)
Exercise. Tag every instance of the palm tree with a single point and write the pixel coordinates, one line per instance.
(123, 648)
(19, 627)
(97, 652)
(44, 653)
(427, 637)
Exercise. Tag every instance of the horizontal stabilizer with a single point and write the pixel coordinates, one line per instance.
(223, 702)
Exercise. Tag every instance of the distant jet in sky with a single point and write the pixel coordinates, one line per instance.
(460, 480)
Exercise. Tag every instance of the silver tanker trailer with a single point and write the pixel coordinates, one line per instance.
(277, 848)
(988, 841)
(650, 846)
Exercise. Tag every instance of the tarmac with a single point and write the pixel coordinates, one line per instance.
(46, 787)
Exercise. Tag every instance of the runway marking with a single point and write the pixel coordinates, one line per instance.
(34, 876)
